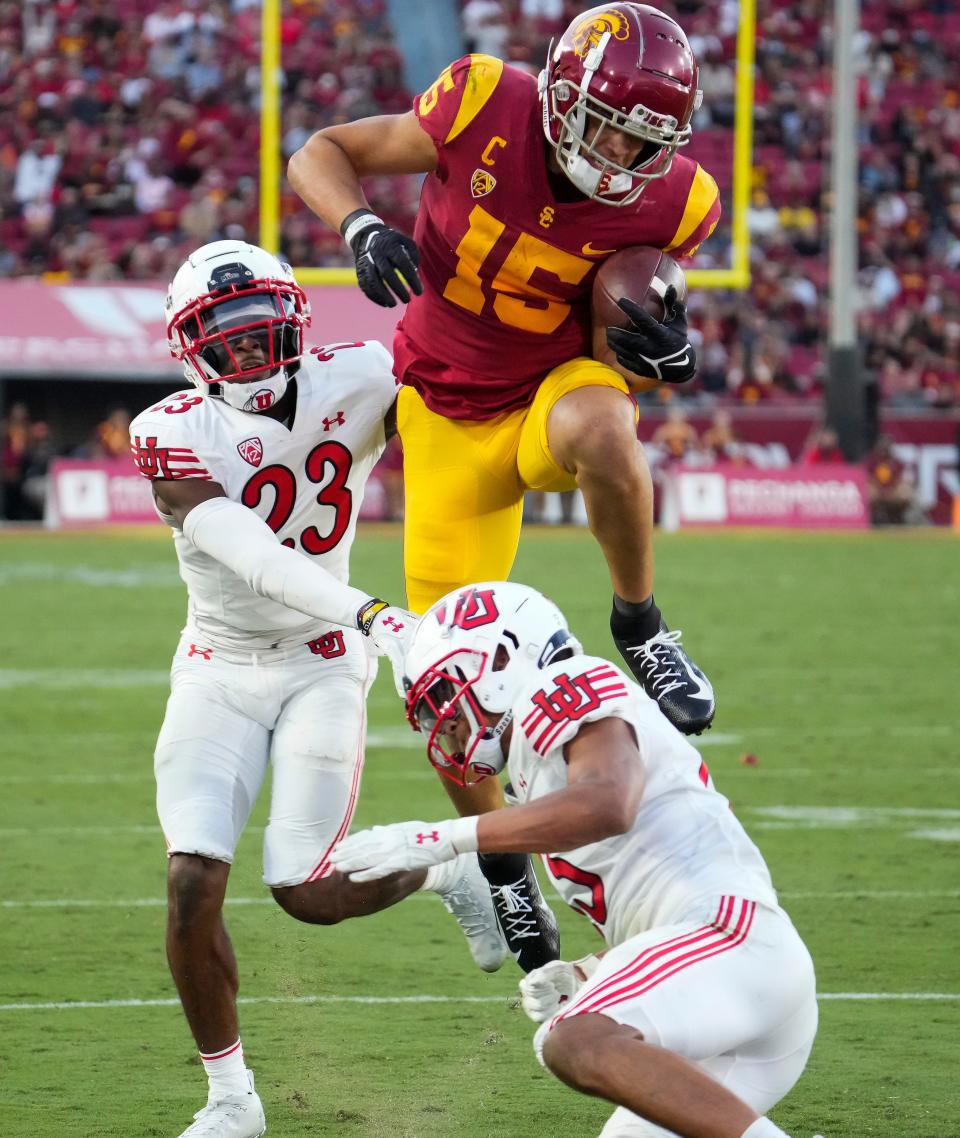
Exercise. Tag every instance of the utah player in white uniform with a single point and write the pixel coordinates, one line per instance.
(701, 1012)
(260, 471)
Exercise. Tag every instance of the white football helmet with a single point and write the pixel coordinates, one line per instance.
(470, 656)
(228, 292)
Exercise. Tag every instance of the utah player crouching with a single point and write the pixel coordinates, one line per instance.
(260, 473)
(701, 1012)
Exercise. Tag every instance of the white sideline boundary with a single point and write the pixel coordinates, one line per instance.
(509, 1000)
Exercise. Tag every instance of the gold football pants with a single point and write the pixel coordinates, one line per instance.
(464, 483)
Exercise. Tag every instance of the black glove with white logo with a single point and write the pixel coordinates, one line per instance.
(386, 260)
(651, 349)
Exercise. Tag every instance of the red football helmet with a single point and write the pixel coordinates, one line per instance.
(624, 67)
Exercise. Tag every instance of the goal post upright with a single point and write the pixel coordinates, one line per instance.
(737, 276)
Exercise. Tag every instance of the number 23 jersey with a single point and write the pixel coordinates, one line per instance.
(508, 266)
(306, 481)
(685, 846)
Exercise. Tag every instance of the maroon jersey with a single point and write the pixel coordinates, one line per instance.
(507, 268)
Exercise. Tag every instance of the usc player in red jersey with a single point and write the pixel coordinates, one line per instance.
(530, 185)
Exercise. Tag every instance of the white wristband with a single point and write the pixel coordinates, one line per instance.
(239, 539)
(359, 225)
(463, 834)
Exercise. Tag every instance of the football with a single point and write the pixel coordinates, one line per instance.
(642, 274)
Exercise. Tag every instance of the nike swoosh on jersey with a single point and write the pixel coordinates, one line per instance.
(589, 250)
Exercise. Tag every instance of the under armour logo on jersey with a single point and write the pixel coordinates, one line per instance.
(204, 653)
(391, 622)
(337, 421)
(251, 450)
(432, 836)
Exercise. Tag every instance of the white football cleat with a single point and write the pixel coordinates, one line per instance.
(233, 1116)
(466, 896)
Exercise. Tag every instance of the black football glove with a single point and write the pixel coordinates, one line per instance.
(651, 349)
(385, 258)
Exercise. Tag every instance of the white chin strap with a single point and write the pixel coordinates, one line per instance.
(256, 394)
(487, 756)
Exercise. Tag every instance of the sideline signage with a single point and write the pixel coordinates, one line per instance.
(802, 497)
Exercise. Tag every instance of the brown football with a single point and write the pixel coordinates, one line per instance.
(641, 274)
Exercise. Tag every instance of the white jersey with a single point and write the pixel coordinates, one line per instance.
(306, 481)
(686, 845)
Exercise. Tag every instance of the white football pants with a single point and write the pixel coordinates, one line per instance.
(230, 713)
(736, 997)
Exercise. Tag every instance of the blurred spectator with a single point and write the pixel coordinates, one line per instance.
(535, 506)
(40, 451)
(486, 27)
(14, 460)
(36, 174)
(677, 438)
(719, 442)
(890, 491)
(822, 447)
(111, 437)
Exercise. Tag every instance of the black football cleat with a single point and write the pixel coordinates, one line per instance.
(526, 920)
(668, 675)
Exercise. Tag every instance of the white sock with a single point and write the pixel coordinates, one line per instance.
(227, 1072)
(764, 1128)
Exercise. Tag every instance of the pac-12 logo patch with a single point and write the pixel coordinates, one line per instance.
(481, 183)
(251, 450)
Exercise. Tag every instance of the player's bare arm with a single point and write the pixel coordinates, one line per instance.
(327, 169)
(177, 497)
(605, 779)
(326, 173)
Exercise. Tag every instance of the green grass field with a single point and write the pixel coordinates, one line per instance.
(834, 659)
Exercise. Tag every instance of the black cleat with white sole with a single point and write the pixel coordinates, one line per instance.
(668, 675)
(526, 920)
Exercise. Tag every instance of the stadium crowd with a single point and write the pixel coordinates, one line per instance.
(129, 134)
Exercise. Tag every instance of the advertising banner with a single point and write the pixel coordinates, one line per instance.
(774, 438)
(117, 330)
(803, 497)
(84, 492)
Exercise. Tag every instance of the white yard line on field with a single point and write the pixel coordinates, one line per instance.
(509, 999)
(81, 678)
(266, 899)
(761, 817)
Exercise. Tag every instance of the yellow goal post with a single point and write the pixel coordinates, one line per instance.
(734, 276)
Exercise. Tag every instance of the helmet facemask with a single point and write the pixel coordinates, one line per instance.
(471, 657)
(595, 174)
(213, 328)
(227, 300)
(436, 703)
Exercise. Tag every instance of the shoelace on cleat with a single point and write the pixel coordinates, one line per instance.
(658, 662)
(515, 910)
